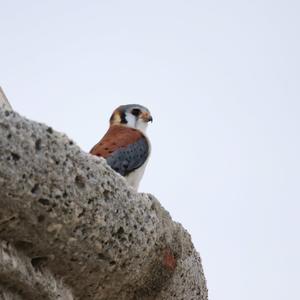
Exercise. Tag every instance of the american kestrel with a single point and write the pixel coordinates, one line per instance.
(125, 145)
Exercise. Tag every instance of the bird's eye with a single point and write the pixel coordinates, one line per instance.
(136, 112)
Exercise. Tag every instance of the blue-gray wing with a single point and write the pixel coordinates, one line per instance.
(130, 157)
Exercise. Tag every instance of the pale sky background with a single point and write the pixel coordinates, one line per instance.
(222, 80)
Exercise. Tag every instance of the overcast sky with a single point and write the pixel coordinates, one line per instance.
(222, 80)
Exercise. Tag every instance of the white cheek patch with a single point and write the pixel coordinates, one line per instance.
(141, 125)
(131, 120)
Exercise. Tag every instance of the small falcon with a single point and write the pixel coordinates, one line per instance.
(125, 145)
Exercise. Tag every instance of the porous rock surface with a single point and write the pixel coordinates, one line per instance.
(71, 228)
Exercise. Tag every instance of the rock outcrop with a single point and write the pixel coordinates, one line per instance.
(71, 228)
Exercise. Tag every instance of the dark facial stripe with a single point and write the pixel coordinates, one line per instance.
(123, 118)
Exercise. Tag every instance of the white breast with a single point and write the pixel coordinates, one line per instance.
(135, 176)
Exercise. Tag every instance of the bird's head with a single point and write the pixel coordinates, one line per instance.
(131, 115)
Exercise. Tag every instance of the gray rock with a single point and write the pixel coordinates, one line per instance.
(71, 228)
(4, 103)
